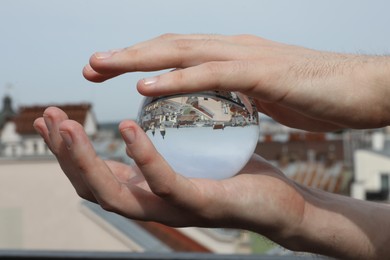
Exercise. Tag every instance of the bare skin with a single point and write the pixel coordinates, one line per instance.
(294, 85)
(299, 87)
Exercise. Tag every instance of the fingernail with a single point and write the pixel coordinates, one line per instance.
(129, 135)
(40, 132)
(103, 55)
(150, 81)
(67, 139)
(106, 54)
(88, 68)
(48, 122)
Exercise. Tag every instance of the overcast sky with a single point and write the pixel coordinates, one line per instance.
(45, 43)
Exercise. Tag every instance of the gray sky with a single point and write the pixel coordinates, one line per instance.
(45, 43)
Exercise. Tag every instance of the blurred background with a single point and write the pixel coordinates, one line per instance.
(45, 44)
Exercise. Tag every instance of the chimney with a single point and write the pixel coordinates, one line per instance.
(378, 141)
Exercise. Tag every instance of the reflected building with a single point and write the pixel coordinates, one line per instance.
(216, 110)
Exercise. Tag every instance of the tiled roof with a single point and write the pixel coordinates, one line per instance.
(326, 170)
(26, 116)
(331, 178)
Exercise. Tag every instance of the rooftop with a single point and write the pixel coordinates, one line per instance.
(26, 116)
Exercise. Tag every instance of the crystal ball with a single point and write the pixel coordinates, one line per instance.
(210, 134)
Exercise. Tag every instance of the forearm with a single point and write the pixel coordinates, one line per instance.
(343, 227)
(349, 90)
(373, 75)
(306, 219)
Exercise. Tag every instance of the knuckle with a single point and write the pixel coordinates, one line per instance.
(88, 164)
(109, 205)
(183, 44)
(142, 160)
(228, 69)
(164, 186)
(239, 66)
(223, 72)
(143, 156)
(167, 36)
(214, 68)
(140, 60)
(177, 76)
(247, 39)
(59, 150)
(85, 195)
(163, 191)
(132, 52)
(137, 56)
(129, 153)
(215, 71)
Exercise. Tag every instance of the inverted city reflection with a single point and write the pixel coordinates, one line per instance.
(204, 135)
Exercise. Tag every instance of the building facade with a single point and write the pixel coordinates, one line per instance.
(18, 137)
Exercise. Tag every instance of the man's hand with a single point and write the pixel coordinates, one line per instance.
(152, 191)
(299, 87)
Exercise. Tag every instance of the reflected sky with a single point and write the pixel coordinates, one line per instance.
(203, 152)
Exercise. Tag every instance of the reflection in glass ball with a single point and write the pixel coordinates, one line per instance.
(208, 134)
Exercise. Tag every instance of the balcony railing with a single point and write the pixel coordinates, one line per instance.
(85, 255)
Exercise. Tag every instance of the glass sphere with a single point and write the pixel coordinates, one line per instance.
(208, 134)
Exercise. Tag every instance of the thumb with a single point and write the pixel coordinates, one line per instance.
(162, 179)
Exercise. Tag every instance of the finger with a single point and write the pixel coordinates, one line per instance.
(162, 180)
(164, 54)
(119, 193)
(48, 128)
(93, 170)
(90, 74)
(53, 117)
(40, 126)
(173, 36)
(238, 75)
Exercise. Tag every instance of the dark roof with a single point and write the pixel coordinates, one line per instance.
(326, 170)
(26, 116)
(273, 150)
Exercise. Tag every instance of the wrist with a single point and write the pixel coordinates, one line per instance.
(342, 227)
(372, 86)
